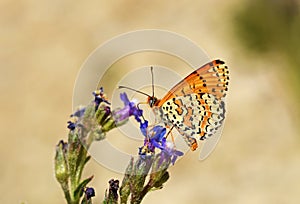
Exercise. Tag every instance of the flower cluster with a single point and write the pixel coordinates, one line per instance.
(90, 123)
(156, 139)
(149, 164)
(87, 124)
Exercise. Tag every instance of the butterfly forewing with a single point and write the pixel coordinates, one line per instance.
(212, 78)
(196, 107)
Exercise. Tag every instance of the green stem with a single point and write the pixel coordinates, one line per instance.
(80, 166)
(65, 188)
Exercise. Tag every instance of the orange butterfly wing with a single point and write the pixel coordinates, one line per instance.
(212, 78)
(195, 105)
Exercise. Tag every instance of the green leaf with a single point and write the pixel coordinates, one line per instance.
(87, 159)
(79, 190)
(159, 183)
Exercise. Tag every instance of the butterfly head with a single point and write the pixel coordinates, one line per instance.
(152, 101)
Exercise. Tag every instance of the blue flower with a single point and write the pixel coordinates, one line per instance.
(100, 97)
(130, 109)
(89, 192)
(155, 138)
(71, 125)
(144, 127)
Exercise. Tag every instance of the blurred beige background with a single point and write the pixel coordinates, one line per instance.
(44, 43)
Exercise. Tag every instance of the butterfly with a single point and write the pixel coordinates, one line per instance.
(196, 105)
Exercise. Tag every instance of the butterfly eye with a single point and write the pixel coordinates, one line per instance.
(152, 101)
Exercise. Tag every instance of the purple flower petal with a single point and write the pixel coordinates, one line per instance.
(71, 125)
(89, 192)
(129, 109)
(155, 138)
(143, 127)
(124, 98)
(159, 133)
(78, 113)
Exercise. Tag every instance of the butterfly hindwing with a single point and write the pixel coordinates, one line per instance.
(194, 115)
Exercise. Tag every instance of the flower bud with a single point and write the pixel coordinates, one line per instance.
(61, 167)
(102, 114)
(108, 125)
(89, 192)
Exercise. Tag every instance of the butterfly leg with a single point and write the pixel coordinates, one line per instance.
(170, 133)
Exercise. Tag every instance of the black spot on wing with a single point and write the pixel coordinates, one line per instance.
(218, 61)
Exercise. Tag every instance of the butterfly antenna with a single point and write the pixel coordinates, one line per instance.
(152, 76)
(125, 87)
